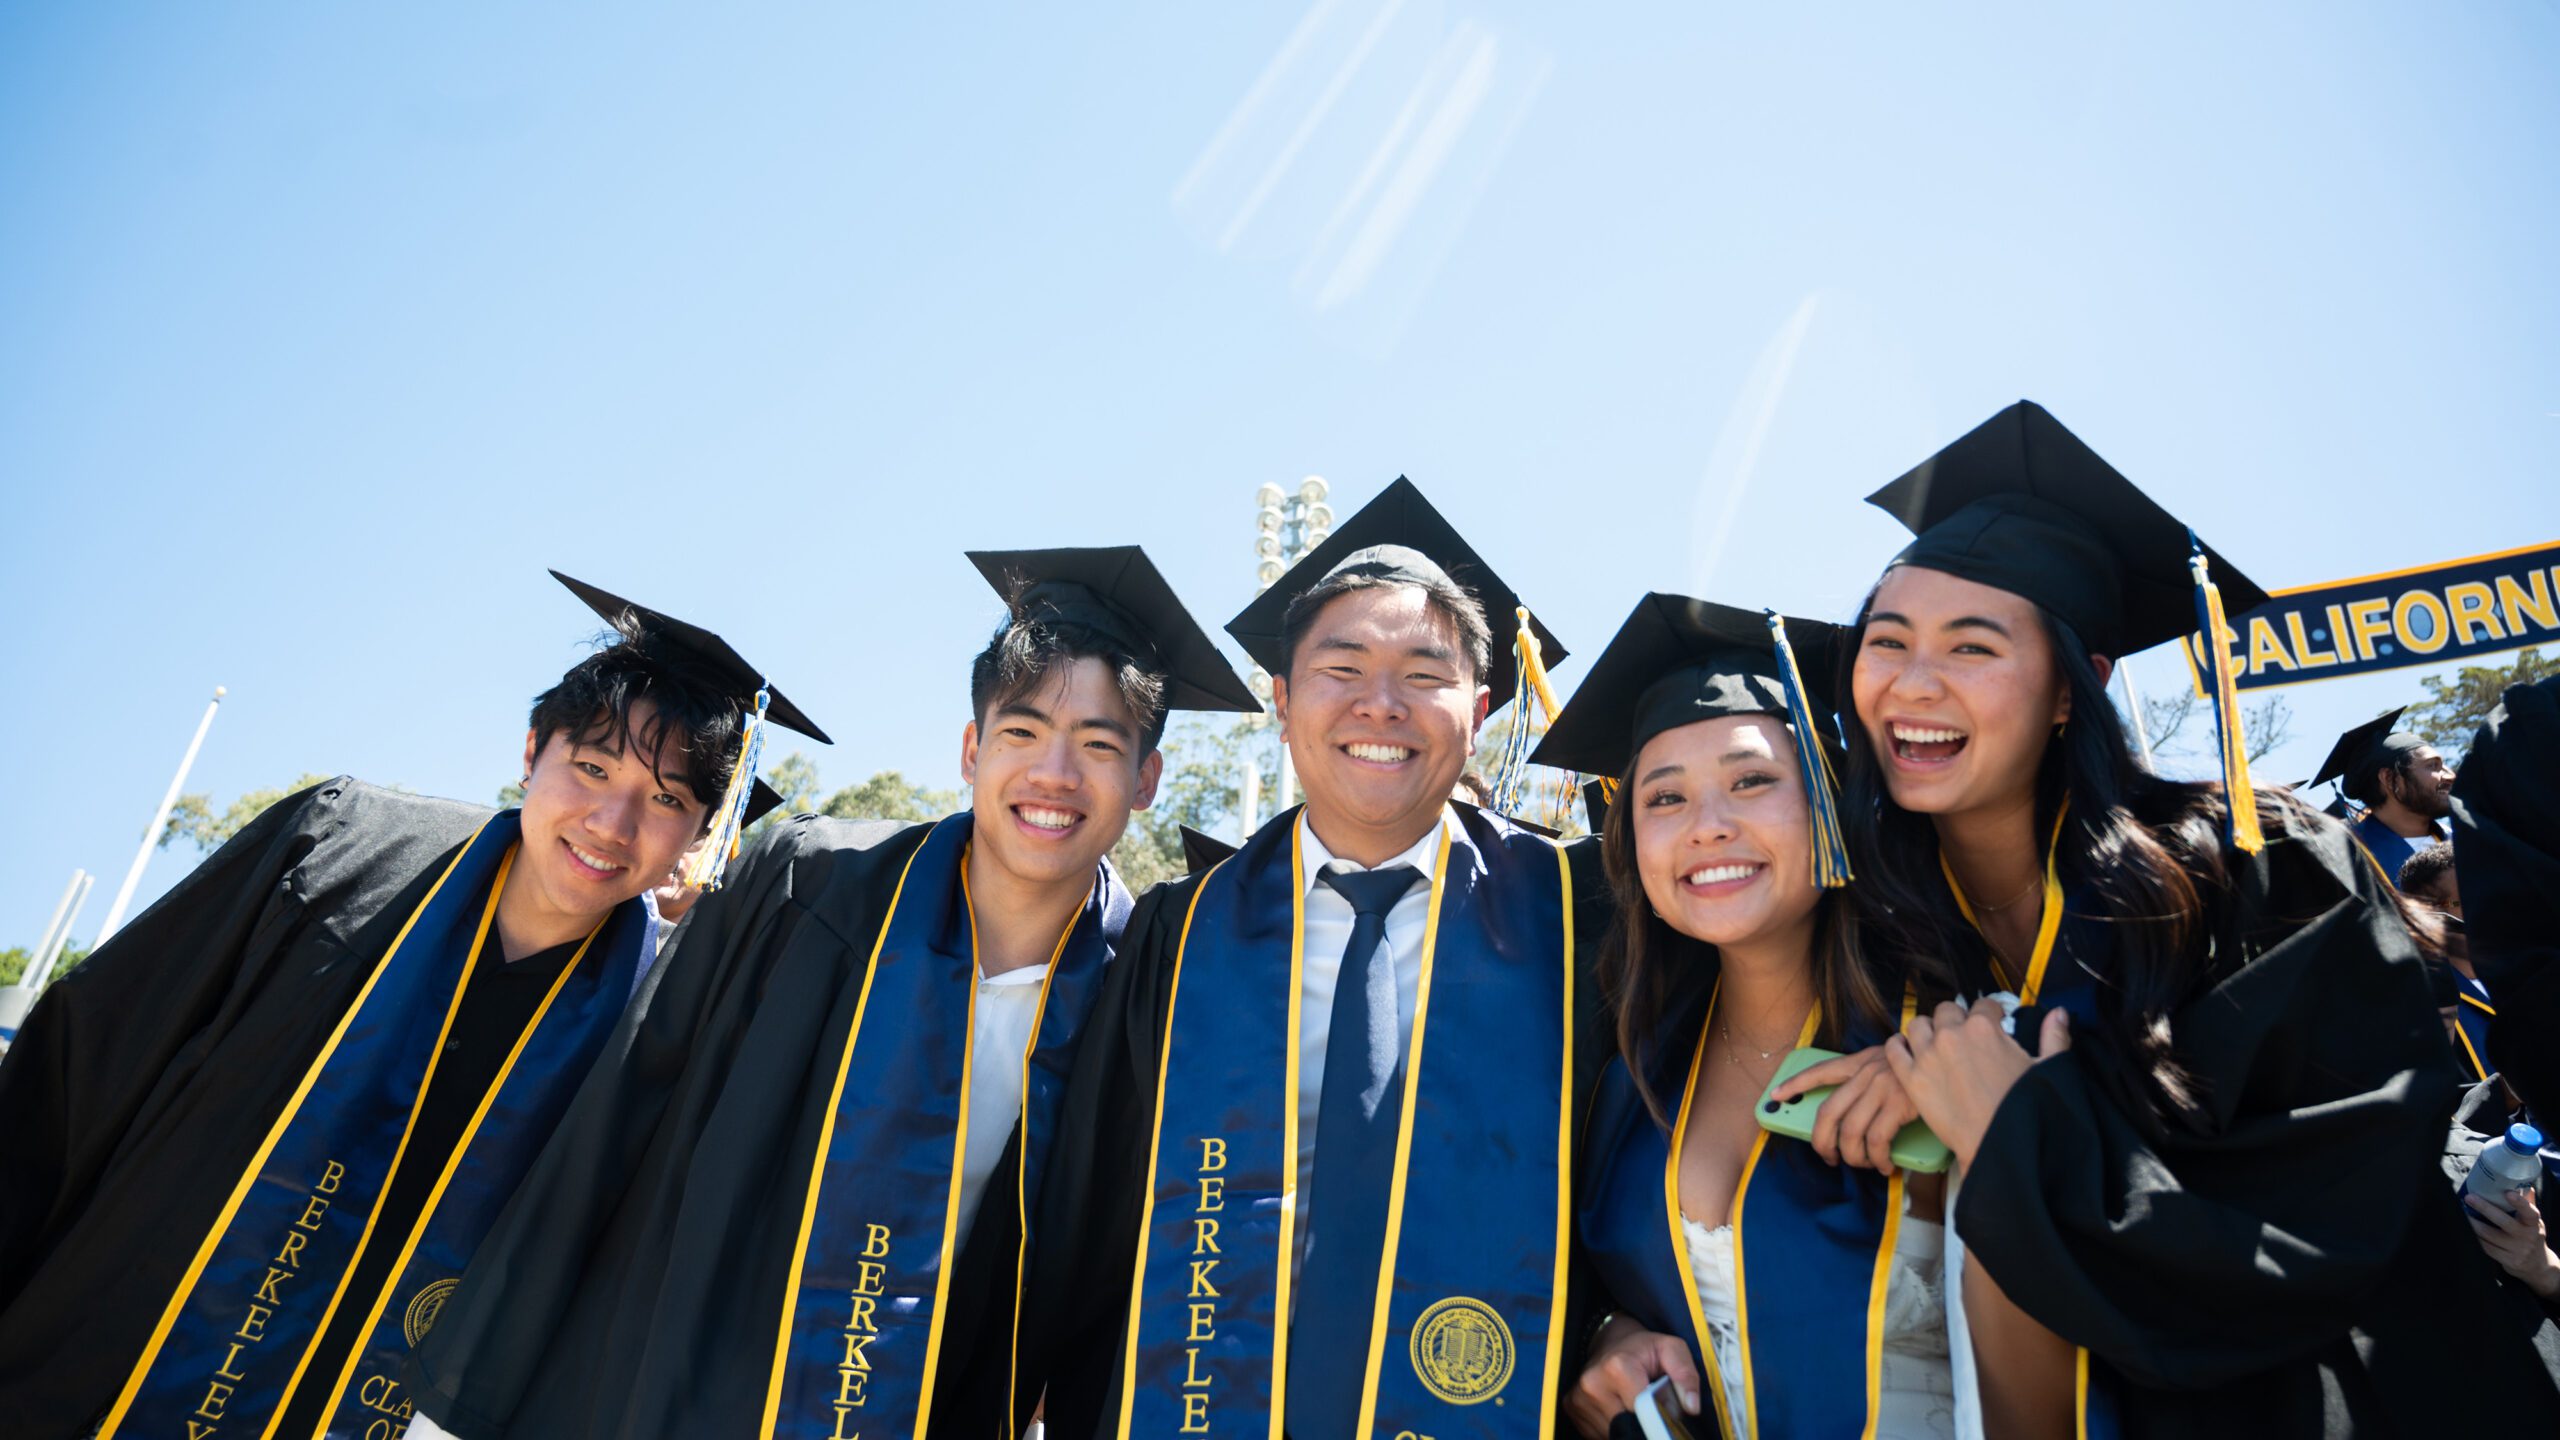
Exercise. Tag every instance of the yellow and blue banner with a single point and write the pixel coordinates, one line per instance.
(2426, 615)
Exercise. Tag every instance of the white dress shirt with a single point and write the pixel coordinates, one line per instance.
(1329, 920)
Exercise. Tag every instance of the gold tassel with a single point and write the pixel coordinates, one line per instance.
(710, 859)
(2242, 798)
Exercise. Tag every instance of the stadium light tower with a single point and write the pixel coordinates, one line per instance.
(1286, 525)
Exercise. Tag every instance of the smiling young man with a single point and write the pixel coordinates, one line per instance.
(794, 1200)
(1331, 1083)
(251, 1141)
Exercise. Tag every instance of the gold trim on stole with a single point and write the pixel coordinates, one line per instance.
(275, 1133)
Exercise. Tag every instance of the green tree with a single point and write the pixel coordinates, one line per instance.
(15, 960)
(889, 795)
(192, 818)
(2456, 707)
(1202, 787)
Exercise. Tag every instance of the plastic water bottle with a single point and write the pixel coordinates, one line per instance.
(2514, 1163)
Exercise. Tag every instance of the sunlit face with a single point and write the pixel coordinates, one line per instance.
(1723, 834)
(2426, 787)
(1958, 690)
(1054, 773)
(1380, 709)
(600, 826)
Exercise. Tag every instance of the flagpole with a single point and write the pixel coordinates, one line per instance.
(42, 970)
(151, 835)
(2133, 708)
(55, 926)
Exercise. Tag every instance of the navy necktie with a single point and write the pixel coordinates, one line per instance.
(1356, 1120)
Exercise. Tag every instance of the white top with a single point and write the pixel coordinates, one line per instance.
(1916, 1397)
(1008, 1007)
(1329, 920)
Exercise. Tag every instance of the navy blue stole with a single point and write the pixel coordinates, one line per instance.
(861, 1317)
(1814, 1248)
(235, 1342)
(2062, 974)
(1471, 1292)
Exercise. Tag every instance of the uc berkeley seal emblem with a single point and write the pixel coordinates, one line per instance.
(1463, 1351)
(428, 1303)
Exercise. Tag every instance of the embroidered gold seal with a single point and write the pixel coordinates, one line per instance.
(423, 1309)
(1463, 1351)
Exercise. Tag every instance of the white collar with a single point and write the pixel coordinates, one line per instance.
(1423, 856)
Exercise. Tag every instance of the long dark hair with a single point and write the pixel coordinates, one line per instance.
(2139, 852)
(1649, 971)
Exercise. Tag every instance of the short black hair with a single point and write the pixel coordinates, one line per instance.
(694, 711)
(1025, 650)
(2364, 784)
(1475, 633)
(2420, 872)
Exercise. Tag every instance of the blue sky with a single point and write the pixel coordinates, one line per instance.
(323, 330)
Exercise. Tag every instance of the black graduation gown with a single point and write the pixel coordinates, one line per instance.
(631, 1287)
(147, 1077)
(2506, 848)
(2295, 1264)
(1097, 1184)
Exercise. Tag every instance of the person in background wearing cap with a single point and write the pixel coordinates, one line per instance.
(1331, 1081)
(795, 1199)
(1733, 947)
(253, 1139)
(2219, 1177)
(2405, 787)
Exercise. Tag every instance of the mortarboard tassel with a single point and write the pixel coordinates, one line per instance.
(1511, 767)
(2236, 789)
(1821, 787)
(711, 859)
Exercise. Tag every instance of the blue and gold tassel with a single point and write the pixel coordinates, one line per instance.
(1821, 787)
(1509, 780)
(2245, 835)
(710, 860)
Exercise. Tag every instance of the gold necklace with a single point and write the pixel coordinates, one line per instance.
(1733, 1052)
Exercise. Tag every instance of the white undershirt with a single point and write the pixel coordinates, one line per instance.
(1329, 921)
(1007, 1009)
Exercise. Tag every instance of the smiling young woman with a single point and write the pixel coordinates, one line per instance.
(1781, 1293)
(2219, 1177)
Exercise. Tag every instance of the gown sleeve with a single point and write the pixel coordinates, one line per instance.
(2506, 845)
(109, 1033)
(2191, 1255)
(1084, 1244)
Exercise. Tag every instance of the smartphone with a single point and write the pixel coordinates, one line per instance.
(1659, 1415)
(1915, 1148)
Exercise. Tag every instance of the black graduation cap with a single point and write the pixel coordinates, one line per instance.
(1200, 850)
(1398, 533)
(702, 647)
(2022, 504)
(1117, 590)
(1675, 661)
(763, 800)
(2365, 749)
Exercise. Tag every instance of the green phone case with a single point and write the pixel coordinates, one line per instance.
(1915, 1149)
